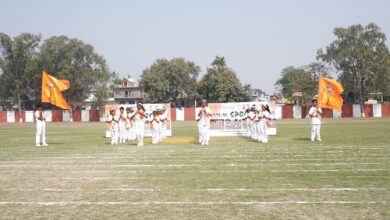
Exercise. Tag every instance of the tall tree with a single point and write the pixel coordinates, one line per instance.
(317, 69)
(16, 60)
(360, 55)
(220, 84)
(297, 84)
(169, 79)
(77, 62)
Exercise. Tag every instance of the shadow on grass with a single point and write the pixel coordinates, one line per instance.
(305, 139)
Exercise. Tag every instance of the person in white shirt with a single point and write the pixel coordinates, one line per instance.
(252, 123)
(112, 121)
(315, 114)
(247, 122)
(164, 123)
(155, 127)
(204, 123)
(139, 119)
(264, 119)
(122, 125)
(40, 136)
(130, 132)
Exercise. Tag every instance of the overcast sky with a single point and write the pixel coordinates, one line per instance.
(257, 38)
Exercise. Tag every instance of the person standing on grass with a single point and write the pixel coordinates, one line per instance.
(112, 121)
(315, 114)
(252, 123)
(130, 133)
(139, 119)
(164, 123)
(264, 120)
(40, 136)
(247, 122)
(122, 125)
(204, 123)
(155, 127)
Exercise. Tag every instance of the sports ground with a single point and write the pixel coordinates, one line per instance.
(81, 176)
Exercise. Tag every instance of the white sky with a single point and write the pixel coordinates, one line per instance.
(257, 38)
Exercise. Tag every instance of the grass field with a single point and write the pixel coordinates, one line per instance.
(81, 176)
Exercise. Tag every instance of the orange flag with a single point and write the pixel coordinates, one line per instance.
(329, 91)
(51, 91)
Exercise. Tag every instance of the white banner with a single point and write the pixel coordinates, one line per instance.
(227, 118)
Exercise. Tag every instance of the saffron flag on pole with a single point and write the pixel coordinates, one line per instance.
(329, 94)
(52, 91)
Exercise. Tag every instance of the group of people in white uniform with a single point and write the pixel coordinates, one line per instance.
(130, 125)
(257, 122)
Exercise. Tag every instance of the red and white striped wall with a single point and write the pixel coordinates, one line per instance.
(51, 116)
(188, 113)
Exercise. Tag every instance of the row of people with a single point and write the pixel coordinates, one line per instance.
(130, 125)
(257, 122)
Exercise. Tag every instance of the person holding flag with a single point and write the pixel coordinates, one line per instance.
(315, 114)
(329, 96)
(41, 127)
(51, 93)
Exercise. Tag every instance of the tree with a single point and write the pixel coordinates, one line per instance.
(73, 60)
(220, 84)
(297, 85)
(170, 79)
(16, 61)
(361, 58)
(317, 69)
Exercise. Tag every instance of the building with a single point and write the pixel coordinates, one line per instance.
(128, 92)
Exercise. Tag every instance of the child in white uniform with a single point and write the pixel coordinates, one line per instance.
(315, 114)
(155, 127)
(139, 119)
(164, 123)
(265, 117)
(130, 133)
(112, 121)
(252, 123)
(247, 122)
(122, 125)
(204, 123)
(40, 135)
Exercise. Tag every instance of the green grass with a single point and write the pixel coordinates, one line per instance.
(81, 176)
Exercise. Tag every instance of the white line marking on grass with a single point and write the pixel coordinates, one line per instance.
(283, 171)
(90, 178)
(208, 190)
(62, 203)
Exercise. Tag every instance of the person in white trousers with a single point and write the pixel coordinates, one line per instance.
(252, 123)
(130, 132)
(164, 123)
(315, 114)
(204, 123)
(112, 121)
(40, 136)
(155, 128)
(247, 122)
(265, 117)
(122, 125)
(139, 119)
